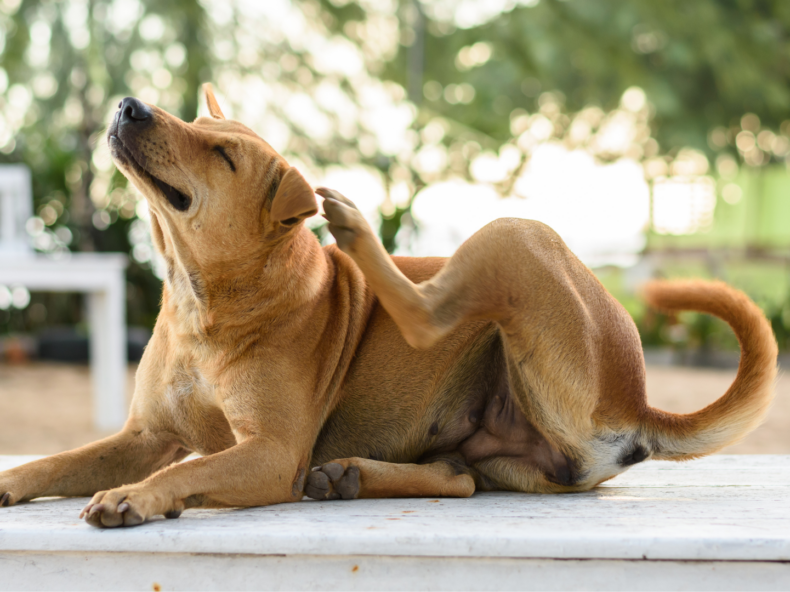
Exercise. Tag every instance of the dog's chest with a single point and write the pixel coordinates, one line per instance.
(189, 387)
(196, 413)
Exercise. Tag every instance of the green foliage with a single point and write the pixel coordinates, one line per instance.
(702, 65)
(390, 225)
(73, 80)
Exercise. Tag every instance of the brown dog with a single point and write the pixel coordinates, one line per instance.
(507, 366)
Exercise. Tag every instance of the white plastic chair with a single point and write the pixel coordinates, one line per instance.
(100, 275)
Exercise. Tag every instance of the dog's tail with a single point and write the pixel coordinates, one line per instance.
(745, 404)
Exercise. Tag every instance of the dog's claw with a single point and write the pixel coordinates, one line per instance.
(326, 192)
(95, 509)
(123, 507)
(331, 194)
(5, 500)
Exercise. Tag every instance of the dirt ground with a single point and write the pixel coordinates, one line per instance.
(46, 408)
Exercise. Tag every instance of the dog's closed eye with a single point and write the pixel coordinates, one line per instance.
(221, 151)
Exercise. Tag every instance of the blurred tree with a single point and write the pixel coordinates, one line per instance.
(702, 64)
(64, 66)
(409, 92)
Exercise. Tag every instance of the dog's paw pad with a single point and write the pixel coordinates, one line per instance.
(348, 485)
(346, 222)
(333, 470)
(331, 481)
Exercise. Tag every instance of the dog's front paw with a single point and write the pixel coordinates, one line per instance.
(10, 493)
(7, 499)
(128, 506)
(333, 481)
(346, 222)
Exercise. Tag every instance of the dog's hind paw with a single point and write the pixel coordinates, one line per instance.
(346, 222)
(332, 481)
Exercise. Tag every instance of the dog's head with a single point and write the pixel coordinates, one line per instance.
(217, 192)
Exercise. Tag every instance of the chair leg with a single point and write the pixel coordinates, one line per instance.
(107, 312)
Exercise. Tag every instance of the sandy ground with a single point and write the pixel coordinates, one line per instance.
(46, 408)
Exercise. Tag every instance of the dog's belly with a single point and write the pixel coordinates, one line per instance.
(394, 394)
(399, 404)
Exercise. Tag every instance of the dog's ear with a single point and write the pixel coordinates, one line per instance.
(294, 200)
(211, 101)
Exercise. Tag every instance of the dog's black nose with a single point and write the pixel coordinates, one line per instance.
(134, 111)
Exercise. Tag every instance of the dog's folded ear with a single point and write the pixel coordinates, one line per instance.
(294, 200)
(211, 102)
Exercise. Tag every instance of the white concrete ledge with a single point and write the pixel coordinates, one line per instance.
(724, 522)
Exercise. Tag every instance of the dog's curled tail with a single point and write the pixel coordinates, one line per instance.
(745, 404)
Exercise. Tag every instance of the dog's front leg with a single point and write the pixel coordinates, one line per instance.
(256, 472)
(269, 400)
(127, 456)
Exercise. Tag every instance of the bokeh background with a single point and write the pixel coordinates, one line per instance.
(653, 136)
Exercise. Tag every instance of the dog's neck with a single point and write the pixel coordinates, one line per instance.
(218, 306)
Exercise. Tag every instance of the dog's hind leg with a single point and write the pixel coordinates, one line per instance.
(510, 270)
(565, 337)
(352, 478)
(574, 356)
(126, 457)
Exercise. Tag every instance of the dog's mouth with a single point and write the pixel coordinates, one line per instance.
(180, 201)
